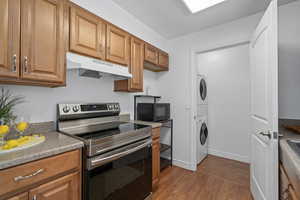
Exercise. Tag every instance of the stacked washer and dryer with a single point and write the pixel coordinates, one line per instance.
(202, 118)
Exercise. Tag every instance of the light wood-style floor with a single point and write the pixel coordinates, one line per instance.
(215, 179)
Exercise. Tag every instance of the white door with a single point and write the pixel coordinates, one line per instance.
(264, 107)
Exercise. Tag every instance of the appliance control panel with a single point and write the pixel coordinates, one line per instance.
(76, 109)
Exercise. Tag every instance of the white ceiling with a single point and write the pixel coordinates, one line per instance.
(171, 18)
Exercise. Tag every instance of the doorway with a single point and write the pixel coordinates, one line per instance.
(227, 72)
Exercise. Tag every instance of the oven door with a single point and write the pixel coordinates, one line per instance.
(122, 174)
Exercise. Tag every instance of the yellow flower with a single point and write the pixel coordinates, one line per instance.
(22, 126)
(4, 129)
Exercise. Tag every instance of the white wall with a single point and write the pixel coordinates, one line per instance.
(289, 61)
(228, 83)
(179, 91)
(41, 102)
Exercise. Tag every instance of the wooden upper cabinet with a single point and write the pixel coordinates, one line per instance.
(151, 54)
(136, 68)
(155, 59)
(9, 38)
(136, 65)
(117, 45)
(87, 33)
(163, 59)
(42, 40)
(23, 196)
(66, 188)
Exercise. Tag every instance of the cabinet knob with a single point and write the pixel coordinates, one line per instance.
(25, 63)
(14, 63)
(34, 197)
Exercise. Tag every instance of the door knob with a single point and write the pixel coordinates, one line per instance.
(268, 134)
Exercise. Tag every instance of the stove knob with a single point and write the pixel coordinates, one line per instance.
(116, 107)
(110, 107)
(75, 108)
(66, 109)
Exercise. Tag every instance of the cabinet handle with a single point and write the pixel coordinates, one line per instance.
(20, 178)
(25, 63)
(14, 63)
(34, 197)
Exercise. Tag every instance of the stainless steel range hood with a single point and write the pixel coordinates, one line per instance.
(94, 68)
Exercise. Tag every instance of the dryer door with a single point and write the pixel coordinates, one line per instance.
(203, 133)
(203, 89)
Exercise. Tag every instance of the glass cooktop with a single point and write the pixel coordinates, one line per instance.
(110, 129)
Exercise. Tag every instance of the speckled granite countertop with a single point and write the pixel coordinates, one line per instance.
(54, 144)
(288, 157)
(153, 124)
(125, 117)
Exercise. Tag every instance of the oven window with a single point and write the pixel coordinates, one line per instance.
(128, 177)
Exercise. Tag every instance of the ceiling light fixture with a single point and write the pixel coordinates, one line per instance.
(198, 5)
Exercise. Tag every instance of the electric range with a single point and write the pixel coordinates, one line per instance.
(117, 158)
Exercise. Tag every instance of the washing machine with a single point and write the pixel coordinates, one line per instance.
(202, 138)
(202, 98)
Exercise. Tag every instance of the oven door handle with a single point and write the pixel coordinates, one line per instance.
(111, 156)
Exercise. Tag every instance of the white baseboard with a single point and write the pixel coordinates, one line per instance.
(228, 155)
(184, 165)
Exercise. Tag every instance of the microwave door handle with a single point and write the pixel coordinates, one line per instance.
(115, 156)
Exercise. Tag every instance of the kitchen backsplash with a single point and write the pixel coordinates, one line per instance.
(41, 102)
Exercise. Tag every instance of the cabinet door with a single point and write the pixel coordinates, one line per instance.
(163, 60)
(23, 196)
(137, 65)
(284, 183)
(87, 34)
(118, 46)
(151, 54)
(42, 40)
(292, 194)
(9, 38)
(66, 188)
(155, 163)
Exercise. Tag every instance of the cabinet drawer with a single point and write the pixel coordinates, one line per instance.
(155, 133)
(23, 196)
(25, 175)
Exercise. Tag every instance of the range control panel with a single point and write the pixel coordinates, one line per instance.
(76, 109)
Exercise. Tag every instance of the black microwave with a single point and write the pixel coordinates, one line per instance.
(153, 112)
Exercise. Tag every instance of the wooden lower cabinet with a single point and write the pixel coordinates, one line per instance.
(155, 157)
(66, 188)
(53, 178)
(287, 191)
(23, 196)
